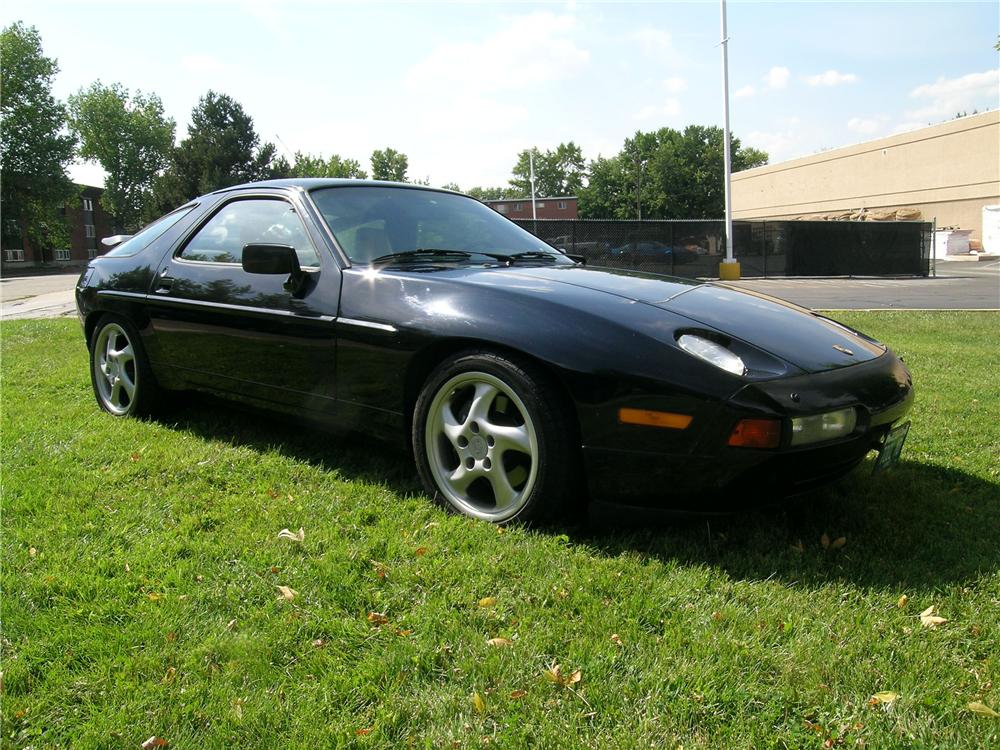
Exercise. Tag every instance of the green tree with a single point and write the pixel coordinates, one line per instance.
(34, 147)
(307, 165)
(221, 149)
(451, 186)
(492, 193)
(558, 172)
(389, 164)
(665, 174)
(130, 137)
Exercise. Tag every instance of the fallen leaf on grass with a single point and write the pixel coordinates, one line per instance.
(135, 457)
(170, 675)
(555, 675)
(377, 618)
(319, 643)
(291, 536)
(616, 639)
(153, 742)
(499, 642)
(902, 601)
(32, 551)
(825, 540)
(420, 551)
(154, 597)
(231, 624)
(238, 707)
(929, 618)
(478, 703)
(884, 698)
(839, 542)
(518, 694)
(287, 593)
(362, 732)
(982, 709)
(487, 601)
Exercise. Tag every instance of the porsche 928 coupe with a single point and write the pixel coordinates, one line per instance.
(520, 379)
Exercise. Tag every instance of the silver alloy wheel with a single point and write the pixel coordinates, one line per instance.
(481, 446)
(115, 370)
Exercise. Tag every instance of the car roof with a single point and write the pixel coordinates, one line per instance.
(312, 183)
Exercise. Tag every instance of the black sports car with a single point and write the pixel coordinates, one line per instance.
(519, 377)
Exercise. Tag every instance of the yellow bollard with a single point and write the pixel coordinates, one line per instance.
(729, 270)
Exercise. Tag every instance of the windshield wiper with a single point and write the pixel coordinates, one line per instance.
(423, 253)
(533, 255)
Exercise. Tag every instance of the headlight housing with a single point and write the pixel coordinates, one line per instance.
(822, 427)
(712, 353)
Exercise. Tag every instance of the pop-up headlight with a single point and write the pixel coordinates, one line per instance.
(711, 352)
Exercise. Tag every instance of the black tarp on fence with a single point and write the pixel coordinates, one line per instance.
(764, 248)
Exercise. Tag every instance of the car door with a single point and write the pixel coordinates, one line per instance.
(246, 334)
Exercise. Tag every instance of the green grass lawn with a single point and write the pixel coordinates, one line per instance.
(141, 566)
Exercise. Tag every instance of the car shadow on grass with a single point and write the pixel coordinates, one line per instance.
(917, 525)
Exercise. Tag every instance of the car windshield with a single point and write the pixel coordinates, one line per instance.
(376, 222)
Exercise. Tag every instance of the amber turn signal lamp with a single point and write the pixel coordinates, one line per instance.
(652, 418)
(756, 433)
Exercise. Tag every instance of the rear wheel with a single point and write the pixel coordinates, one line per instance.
(490, 439)
(119, 371)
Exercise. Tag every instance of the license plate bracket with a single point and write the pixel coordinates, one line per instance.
(892, 447)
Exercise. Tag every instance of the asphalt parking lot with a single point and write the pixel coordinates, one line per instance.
(958, 285)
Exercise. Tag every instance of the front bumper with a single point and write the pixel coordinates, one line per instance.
(708, 475)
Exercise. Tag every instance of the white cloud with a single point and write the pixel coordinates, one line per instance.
(533, 49)
(779, 145)
(670, 108)
(831, 78)
(744, 91)
(654, 42)
(777, 77)
(947, 96)
(866, 126)
(675, 84)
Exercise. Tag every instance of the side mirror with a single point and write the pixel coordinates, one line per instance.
(270, 259)
(275, 259)
(115, 241)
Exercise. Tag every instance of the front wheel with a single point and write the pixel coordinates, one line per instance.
(119, 372)
(491, 439)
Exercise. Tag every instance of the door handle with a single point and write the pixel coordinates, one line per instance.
(163, 284)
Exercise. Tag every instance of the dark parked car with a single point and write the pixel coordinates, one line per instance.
(520, 378)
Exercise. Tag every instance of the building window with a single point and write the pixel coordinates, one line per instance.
(502, 208)
(92, 253)
(88, 204)
(14, 256)
(562, 205)
(541, 204)
(88, 230)
(62, 254)
(518, 206)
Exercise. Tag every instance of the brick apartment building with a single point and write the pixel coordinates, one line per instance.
(547, 208)
(88, 223)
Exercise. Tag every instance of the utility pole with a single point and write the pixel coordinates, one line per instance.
(729, 269)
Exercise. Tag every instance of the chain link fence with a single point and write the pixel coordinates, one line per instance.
(694, 248)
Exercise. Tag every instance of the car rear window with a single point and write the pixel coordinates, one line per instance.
(148, 235)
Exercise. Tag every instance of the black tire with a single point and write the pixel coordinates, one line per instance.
(515, 448)
(131, 366)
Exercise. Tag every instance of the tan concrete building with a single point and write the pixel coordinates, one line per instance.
(947, 171)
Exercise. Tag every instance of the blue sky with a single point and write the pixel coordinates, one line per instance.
(462, 87)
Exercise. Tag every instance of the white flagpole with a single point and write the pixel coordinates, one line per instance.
(733, 269)
(531, 163)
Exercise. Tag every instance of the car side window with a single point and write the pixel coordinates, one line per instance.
(268, 221)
